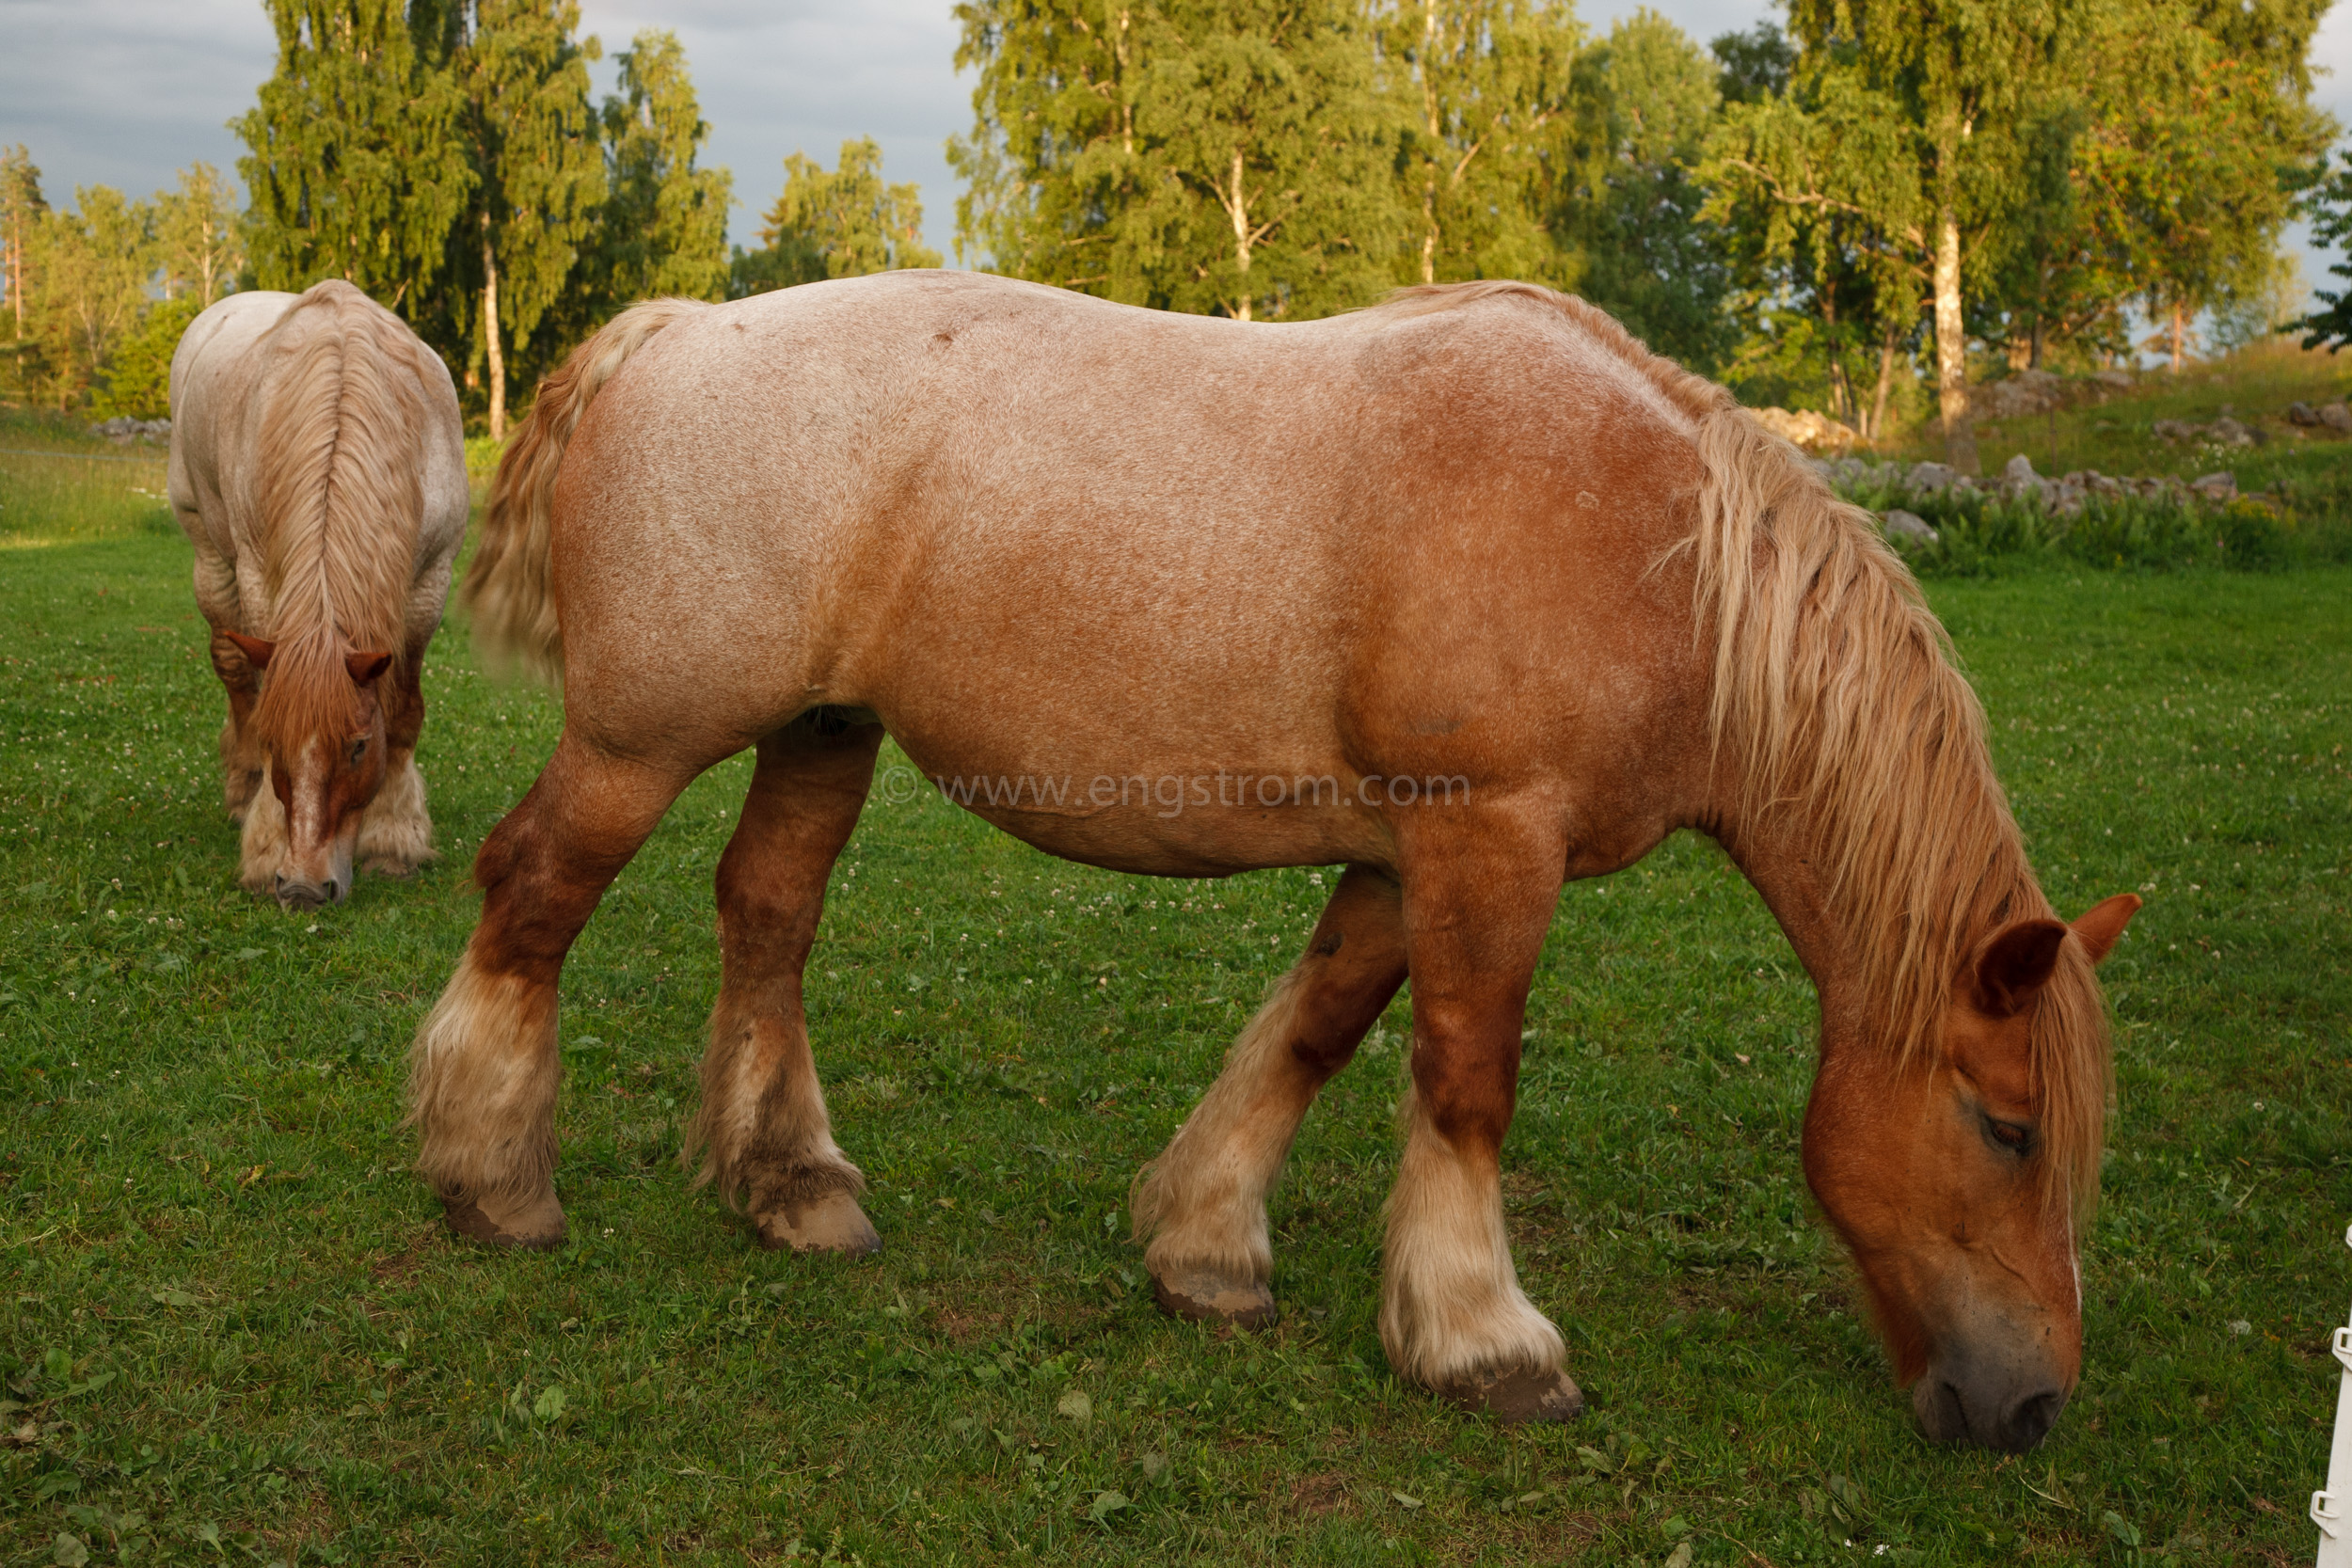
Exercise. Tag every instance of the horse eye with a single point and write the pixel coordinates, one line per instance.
(2009, 1135)
(358, 749)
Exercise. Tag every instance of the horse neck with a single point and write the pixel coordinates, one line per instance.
(1921, 887)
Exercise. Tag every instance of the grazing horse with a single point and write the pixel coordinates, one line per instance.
(1476, 535)
(318, 466)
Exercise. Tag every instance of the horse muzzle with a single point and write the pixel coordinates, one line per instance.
(304, 893)
(1995, 1400)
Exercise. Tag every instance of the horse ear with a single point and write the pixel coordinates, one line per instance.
(367, 669)
(2102, 925)
(256, 651)
(2017, 963)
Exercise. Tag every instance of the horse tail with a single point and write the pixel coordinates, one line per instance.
(510, 588)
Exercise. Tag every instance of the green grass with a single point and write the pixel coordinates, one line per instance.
(230, 1312)
(58, 483)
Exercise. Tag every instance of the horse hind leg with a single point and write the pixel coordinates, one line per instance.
(762, 1131)
(1202, 1204)
(483, 1072)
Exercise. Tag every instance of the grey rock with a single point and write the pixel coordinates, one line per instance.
(1930, 479)
(122, 429)
(2227, 431)
(2019, 482)
(2216, 488)
(1909, 525)
(2119, 379)
(2178, 430)
(2336, 417)
(2302, 414)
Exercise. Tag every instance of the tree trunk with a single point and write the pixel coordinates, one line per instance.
(490, 337)
(2179, 332)
(1239, 208)
(1429, 112)
(1951, 348)
(1886, 384)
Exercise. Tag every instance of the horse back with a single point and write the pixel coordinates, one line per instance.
(1040, 533)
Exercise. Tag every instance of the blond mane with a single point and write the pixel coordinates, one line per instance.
(340, 501)
(1835, 697)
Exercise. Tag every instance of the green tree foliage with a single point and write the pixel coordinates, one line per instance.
(665, 221)
(87, 286)
(2187, 169)
(138, 375)
(1633, 207)
(842, 224)
(1907, 126)
(1486, 89)
(357, 167)
(538, 194)
(2330, 204)
(199, 236)
(1234, 156)
(22, 208)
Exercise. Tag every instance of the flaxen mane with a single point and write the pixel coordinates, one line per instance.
(1836, 696)
(340, 509)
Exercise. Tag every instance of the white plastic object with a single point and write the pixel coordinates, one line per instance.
(2331, 1509)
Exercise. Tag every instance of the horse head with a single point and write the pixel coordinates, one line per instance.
(1956, 1179)
(321, 720)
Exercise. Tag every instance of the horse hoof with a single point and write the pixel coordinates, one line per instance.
(1521, 1395)
(830, 1224)
(536, 1224)
(1212, 1299)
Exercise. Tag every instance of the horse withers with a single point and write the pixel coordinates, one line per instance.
(1477, 535)
(318, 466)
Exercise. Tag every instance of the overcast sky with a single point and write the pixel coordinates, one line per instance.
(124, 92)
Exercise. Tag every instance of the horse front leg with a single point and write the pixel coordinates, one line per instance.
(242, 763)
(1202, 1204)
(1453, 1317)
(483, 1072)
(396, 833)
(762, 1129)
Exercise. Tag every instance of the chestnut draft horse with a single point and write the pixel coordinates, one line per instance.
(319, 469)
(1477, 533)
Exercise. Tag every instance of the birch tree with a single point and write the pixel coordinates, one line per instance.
(1487, 85)
(200, 238)
(1234, 156)
(1909, 118)
(846, 222)
(538, 190)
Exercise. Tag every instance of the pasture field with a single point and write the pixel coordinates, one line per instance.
(231, 1327)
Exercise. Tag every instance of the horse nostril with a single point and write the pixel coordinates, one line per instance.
(334, 891)
(2030, 1419)
(1942, 1413)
